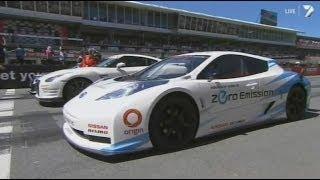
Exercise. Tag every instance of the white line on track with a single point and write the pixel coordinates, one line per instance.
(5, 163)
(5, 130)
(6, 109)
(6, 113)
(6, 105)
(5, 156)
(9, 92)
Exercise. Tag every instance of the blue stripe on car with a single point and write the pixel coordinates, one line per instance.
(278, 107)
(142, 85)
(207, 122)
(272, 64)
(274, 109)
(285, 88)
(281, 77)
(128, 145)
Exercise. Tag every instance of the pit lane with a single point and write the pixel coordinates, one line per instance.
(276, 149)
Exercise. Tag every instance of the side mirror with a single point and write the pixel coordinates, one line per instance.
(212, 77)
(120, 65)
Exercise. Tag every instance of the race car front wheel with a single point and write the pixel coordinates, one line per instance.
(74, 87)
(296, 104)
(173, 123)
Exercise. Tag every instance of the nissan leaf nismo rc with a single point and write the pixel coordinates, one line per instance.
(184, 97)
(63, 85)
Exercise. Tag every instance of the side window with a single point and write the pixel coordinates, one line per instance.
(253, 66)
(150, 62)
(114, 63)
(131, 61)
(223, 67)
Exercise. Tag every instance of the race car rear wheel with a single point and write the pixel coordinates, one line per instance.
(173, 123)
(74, 87)
(296, 104)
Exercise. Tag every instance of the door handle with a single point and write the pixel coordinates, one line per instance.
(252, 84)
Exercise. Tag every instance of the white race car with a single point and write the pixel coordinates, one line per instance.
(63, 85)
(174, 101)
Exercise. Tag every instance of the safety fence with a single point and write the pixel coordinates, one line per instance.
(20, 76)
(307, 71)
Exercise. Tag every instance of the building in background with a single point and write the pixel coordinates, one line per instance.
(117, 27)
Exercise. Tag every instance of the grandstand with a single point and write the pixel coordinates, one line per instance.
(116, 27)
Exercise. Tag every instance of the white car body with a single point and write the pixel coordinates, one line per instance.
(53, 91)
(218, 106)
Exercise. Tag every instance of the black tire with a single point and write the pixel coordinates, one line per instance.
(74, 87)
(45, 104)
(296, 103)
(51, 104)
(173, 123)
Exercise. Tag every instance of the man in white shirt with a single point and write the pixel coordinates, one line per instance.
(61, 55)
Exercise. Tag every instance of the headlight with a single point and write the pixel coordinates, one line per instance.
(50, 79)
(117, 94)
(131, 89)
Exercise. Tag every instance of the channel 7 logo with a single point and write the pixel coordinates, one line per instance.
(308, 10)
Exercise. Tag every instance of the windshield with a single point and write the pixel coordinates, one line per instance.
(172, 67)
(108, 62)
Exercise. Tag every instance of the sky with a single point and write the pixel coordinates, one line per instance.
(250, 11)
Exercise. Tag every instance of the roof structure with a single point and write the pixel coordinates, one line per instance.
(157, 7)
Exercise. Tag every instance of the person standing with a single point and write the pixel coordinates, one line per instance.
(2, 56)
(79, 59)
(90, 60)
(49, 55)
(20, 54)
(62, 57)
(2, 46)
(6, 59)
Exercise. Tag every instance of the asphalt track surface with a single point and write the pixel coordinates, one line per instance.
(32, 146)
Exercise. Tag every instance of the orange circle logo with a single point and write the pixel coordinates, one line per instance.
(132, 118)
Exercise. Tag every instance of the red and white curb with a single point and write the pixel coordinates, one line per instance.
(6, 110)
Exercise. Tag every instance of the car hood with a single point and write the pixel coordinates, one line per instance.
(104, 87)
(89, 105)
(84, 70)
(101, 88)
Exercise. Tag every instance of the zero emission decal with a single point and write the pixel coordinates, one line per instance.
(224, 96)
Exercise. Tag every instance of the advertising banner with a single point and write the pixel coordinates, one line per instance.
(20, 76)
